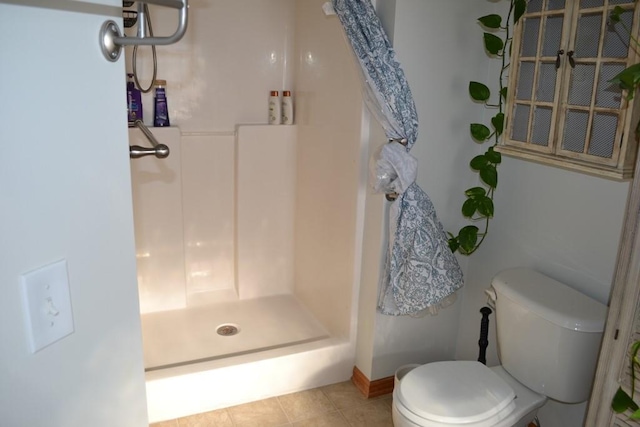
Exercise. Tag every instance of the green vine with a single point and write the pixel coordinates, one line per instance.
(479, 204)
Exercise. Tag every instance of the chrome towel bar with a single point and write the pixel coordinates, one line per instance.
(112, 39)
(161, 151)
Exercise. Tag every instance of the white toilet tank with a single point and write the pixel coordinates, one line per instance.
(548, 334)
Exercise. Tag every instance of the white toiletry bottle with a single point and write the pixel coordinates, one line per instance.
(287, 108)
(275, 114)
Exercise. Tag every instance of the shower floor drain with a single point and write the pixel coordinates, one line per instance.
(227, 330)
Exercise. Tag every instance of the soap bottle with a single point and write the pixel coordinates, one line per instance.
(287, 108)
(275, 114)
(160, 108)
(134, 101)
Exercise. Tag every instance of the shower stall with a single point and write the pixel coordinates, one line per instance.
(248, 235)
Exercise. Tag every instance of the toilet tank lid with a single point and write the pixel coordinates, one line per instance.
(550, 299)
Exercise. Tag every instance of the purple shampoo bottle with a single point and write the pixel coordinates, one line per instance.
(160, 110)
(134, 100)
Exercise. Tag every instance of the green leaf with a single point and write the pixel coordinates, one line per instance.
(493, 43)
(615, 14)
(519, 7)
(489, 176)
(469, 207)
(475, 192)
(621, 400)
(479, 162)
(498, 122)
(479, 91)
(492, 21)
(480, 132)
(628, 79)
(635, 415)
(635, 348)
(503, 92)
(453, 244)
(493, 156)
(467, 238)
(485, 207)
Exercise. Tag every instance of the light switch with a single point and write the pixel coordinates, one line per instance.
(47, 303)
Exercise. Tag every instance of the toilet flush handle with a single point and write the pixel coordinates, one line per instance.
(491, 297)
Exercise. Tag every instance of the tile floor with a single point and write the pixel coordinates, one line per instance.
(335, 405)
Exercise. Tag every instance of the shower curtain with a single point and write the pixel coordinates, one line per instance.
(421, 274)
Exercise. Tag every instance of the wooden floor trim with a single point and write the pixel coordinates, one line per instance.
(371, 388)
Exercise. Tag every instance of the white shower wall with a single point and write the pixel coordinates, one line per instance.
(196, 204)
(194, 243)
(257, 210)
(220, 74)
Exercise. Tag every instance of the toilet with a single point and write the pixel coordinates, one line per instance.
(548, 337)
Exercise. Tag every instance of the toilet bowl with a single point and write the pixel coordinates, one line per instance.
(531, 308)
(446, 394)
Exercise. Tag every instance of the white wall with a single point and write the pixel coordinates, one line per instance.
(561, 223)
(328, 116)
(439, 56)
(65, 193)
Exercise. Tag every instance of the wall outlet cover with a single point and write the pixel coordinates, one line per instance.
(47, 302)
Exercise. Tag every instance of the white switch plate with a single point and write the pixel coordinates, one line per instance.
(47, 303)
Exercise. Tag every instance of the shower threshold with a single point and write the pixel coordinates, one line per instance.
(187, 336)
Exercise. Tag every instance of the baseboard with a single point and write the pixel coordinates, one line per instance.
(371, 388)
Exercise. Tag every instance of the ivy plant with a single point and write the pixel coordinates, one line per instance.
(478, 206)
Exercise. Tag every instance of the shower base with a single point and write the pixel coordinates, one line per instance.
(185, 336)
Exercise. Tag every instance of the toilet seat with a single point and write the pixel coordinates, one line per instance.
(454, 393)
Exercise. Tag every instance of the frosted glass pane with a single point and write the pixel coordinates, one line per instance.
(546, 82)
(529, 45)
(603, 134)
(591, 3)
(541, 126)
(552, 35)
(534, 6)
(581, 87)
(525, 81)
(616, 39)
(520, 122)
(588, 36)
(609, 94)
(620, 1)
(555, 4)
(575, 131)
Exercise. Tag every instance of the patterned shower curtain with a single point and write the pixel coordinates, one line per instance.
(421, 274)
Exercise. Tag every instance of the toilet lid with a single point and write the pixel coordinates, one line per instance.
(456, 392)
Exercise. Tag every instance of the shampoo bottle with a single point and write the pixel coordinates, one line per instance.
(275, 114)
(287, 108)
(160, 110)
(134, 100)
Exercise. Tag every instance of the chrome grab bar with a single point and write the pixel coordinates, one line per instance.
(112, 39)
(161, 151)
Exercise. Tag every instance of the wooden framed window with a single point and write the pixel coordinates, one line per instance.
(561, 109)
